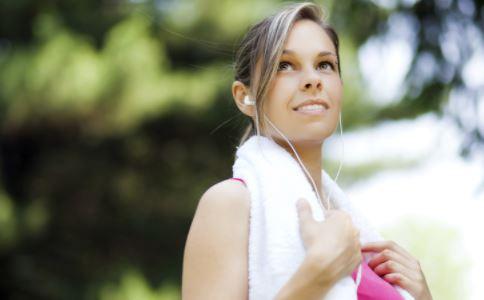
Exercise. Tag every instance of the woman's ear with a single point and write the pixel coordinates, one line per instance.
(239, 91)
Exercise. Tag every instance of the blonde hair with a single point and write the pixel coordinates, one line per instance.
(264, 43)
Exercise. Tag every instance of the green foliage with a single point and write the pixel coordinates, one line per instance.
(133, 286)
(439, 250)
(7, 222)
(116, 88)
(115, 116)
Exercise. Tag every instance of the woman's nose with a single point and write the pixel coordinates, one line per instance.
(311, 81)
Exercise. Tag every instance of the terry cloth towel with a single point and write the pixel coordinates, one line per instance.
(275, 182)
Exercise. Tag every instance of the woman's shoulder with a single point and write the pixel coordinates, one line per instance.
(225, 193)
(229, 198)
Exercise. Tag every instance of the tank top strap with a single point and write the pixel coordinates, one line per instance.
(238, 179)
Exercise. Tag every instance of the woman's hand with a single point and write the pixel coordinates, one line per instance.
(398, 267)
(333, 244)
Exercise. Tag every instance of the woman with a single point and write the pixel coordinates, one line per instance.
(248, 238)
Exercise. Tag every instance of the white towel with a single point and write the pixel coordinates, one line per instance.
(275, 182)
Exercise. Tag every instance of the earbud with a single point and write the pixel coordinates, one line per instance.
(247, 101)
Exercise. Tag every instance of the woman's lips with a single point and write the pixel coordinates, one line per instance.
(312, 109)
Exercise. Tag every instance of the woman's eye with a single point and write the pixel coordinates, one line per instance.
(284, 65)
(326, 65)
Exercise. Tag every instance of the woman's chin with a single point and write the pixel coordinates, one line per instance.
(311, 141)
(313, 134)
(316, 135)
(305, 140)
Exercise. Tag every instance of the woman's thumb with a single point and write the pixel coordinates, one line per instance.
(303, 210)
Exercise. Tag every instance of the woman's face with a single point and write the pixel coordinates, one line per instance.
(304, 100)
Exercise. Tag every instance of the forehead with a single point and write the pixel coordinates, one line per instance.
(307, 37)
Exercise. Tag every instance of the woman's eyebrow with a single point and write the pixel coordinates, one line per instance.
(322, 53)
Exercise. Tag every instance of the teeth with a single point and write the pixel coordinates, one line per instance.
(311, 107)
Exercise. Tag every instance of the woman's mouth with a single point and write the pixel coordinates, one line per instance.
(311, 109)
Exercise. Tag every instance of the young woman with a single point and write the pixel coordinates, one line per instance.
(250, 236)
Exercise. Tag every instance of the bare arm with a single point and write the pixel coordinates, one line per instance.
(215, 260)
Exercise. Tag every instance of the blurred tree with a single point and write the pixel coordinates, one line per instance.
(109, 110)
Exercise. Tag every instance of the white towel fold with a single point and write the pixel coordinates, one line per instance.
(275, 182)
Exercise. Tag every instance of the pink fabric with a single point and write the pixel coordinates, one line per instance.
(372, 286)
(239, 179)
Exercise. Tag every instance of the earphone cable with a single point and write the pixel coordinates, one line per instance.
(302, 165)
(299, 159)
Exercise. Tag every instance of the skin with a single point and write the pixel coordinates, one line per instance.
(303, 74)
(397, 266)
(215, 259)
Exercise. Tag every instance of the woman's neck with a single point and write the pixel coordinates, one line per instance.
(311, 157)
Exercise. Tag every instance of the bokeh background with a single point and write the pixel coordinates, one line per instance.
(116, 116)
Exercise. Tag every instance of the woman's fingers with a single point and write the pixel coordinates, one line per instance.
(390, 266)
(390, 255)
(415, 288)
(306, 228)
(398, 279)
(304, 211)
(396, 266)
(382, 245)
(390, 261)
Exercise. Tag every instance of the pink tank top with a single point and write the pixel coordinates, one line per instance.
(372, 286)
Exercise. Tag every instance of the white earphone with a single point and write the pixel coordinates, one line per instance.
(248, 101)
